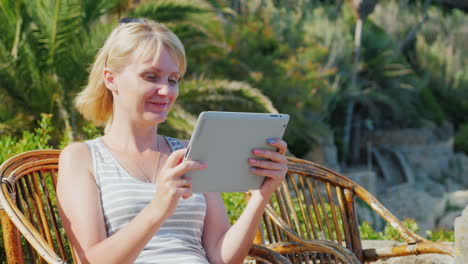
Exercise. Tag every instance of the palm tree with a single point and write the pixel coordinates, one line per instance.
(361, 9)
(47, 45)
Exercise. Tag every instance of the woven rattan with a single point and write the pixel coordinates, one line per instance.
(316, 203)
(311, 218)
(30, 221)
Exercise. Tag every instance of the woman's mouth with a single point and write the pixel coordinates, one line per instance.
(158, 105)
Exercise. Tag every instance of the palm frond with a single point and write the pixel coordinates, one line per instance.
(93, 10)
(56, 25)
(167, 11)
(220, 95)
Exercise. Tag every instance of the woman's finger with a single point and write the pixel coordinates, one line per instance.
(185, 182)
(186, 166)
(271, 155)
(274, 174)
(185, 192)
(278, 143)
(175, 158)
(264, 164)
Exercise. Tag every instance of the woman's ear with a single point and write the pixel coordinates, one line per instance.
(109, 80)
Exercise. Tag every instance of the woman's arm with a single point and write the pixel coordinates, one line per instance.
(230, 244)
(81, 213)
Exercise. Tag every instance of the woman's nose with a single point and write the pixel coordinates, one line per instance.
(165, 88)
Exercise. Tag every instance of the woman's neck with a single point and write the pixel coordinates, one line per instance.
(131, 137)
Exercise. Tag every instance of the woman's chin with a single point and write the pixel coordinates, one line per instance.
(155, 117)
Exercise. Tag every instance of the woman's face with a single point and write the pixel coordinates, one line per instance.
(145, 91)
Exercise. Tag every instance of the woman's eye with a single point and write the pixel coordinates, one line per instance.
(173, 81)
(150, 76)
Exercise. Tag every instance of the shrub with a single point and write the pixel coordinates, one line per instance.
(461, 139)
(235, 204)
(390, 233)
(39, 139)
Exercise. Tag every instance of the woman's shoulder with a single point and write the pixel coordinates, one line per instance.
(75, 154)
(75, 148)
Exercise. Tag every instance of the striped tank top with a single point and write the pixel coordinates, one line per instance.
(122, 197)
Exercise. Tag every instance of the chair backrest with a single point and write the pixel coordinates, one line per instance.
(313, 203)
(317, 203)
(28, 183)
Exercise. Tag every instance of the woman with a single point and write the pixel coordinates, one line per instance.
(122, 197)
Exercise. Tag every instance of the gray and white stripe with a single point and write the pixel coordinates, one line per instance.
(179, 240)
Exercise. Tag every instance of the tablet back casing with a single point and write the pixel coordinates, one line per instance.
(224, 141)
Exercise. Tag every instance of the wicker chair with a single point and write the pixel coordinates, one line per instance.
(317, 203)
(27, 196)
(28, 205)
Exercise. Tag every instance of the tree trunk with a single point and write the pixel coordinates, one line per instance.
(357, 49)
(347, 132)
(65, 117)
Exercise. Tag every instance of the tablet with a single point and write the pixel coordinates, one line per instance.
(224, 142)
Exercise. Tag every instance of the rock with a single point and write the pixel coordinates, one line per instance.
(420, 259)
(445, 132)
(403, 137)
(461, 238)
(458, 169)
(433, 188)
(325, 153)
(458, 200)
(428, 135)
(447, 220)
(402, 200)
(450, 207)
(430, 160)
(428, 151)
(452, 186)
(439, 209)
(364, 177)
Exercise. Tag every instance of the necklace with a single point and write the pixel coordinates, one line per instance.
(152, 179)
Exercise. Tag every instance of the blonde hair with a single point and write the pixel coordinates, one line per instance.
(133, 40)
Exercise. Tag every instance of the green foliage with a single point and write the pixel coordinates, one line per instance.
(441, 235)
(430, 107)
(284, 66)
(437, 54)
(461, 139)
(235, 204)
(39, 139)
(47, 46)
(390, 233)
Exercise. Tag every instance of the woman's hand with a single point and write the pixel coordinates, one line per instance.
(274, 168)
(171, 185)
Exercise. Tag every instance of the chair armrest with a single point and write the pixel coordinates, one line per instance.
(415, 244)
(319, 246)
(262, 253)
(372, 254)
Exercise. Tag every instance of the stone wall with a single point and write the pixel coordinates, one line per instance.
(436, 177)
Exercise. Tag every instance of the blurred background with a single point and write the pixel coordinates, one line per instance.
(377, 90)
